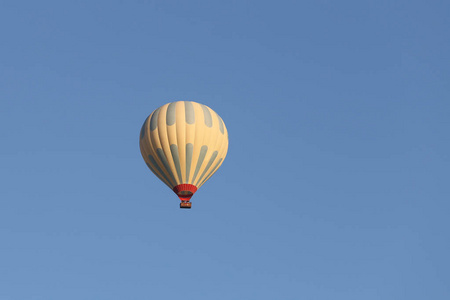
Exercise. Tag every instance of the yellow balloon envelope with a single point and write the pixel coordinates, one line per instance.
(184, 143)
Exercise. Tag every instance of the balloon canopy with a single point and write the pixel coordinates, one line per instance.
(184, 143)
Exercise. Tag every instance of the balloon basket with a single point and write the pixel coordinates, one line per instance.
(185, 204)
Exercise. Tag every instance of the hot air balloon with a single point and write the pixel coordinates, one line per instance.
(184, 143)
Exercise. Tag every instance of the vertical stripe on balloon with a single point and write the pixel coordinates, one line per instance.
(211, 160)
(189, 112)
(170, 116)
(154, 119)
(207, 115)
(163, 159)
(157, 175)
(154, 167)
(212, 172)
(143, 128)
(221, 126)
(189, 151)
(176, 160)
(201, 157)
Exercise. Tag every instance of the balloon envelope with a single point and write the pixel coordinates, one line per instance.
(184, 143)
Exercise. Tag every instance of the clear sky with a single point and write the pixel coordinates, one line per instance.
(336, 183)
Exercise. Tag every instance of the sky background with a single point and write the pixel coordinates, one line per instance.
(336, 183)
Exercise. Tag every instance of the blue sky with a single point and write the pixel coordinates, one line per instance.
(336, 181)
